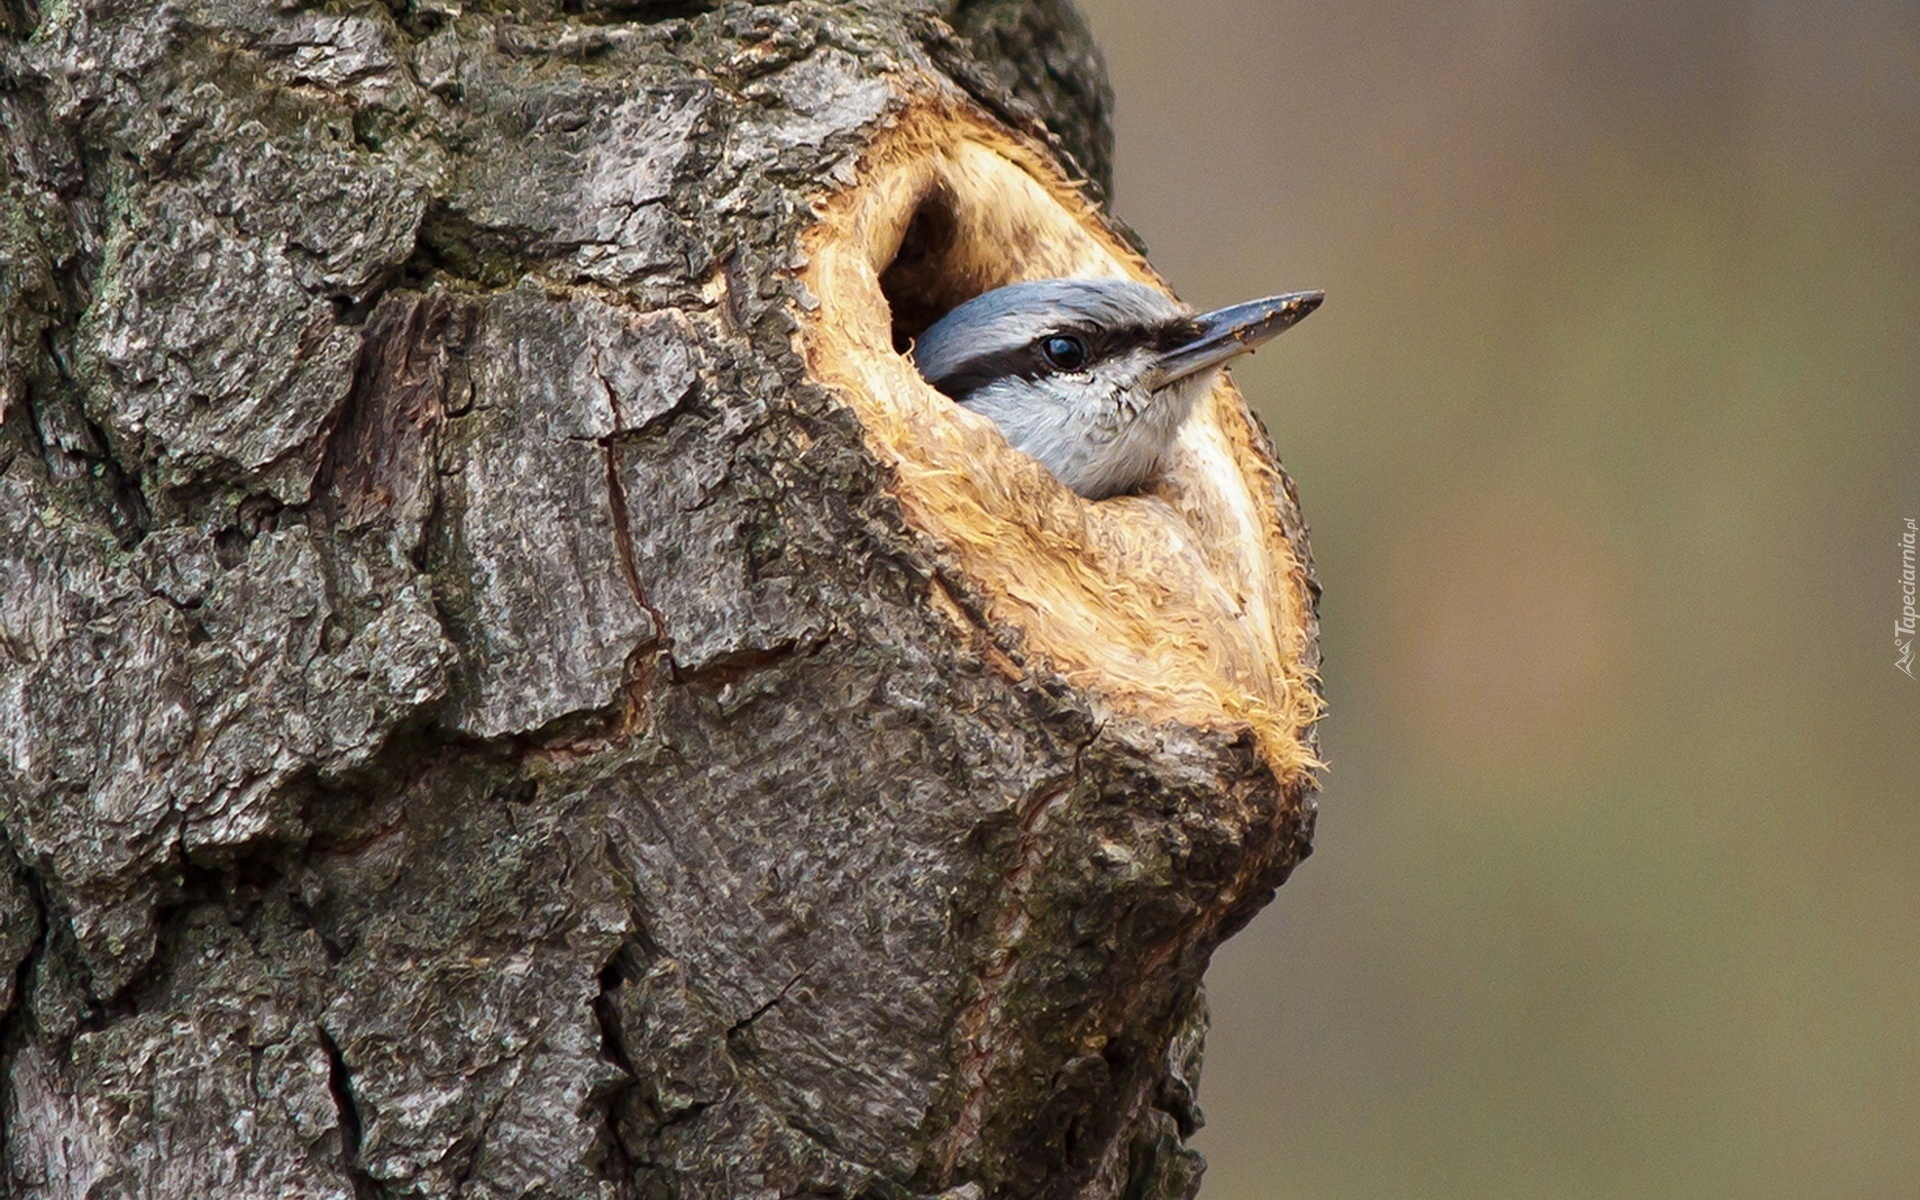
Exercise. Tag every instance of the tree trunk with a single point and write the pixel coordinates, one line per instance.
(510, 686)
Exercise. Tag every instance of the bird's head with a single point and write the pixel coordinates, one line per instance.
(1092, 377)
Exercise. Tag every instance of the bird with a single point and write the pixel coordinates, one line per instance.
(1092, 377)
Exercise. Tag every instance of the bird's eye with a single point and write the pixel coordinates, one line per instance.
(1066, 353)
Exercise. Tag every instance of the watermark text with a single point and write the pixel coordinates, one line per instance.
(1903, 627)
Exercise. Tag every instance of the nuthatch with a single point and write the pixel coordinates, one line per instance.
(1092, 377)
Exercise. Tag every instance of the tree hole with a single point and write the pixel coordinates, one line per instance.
(921, 284)
(1187, 604)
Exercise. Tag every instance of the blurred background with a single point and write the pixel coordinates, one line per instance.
(1606, 435)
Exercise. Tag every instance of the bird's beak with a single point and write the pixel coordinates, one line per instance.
(1230, 332)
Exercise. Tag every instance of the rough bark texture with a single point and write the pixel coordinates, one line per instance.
(476, 720)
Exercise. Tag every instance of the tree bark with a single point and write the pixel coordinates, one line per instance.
(510, 687)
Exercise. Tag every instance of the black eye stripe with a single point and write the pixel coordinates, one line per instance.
(1030, 361)
(1110, 343)
(1020, 362)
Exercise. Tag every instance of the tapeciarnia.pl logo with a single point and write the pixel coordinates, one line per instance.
(1903, 628)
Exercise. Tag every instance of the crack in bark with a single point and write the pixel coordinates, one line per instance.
(745, 1023)
(340, 1084)
(629, 559)
(14, 1021)
(75, 448)
(620, 1157)
(381, 440)
(477, 1143)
